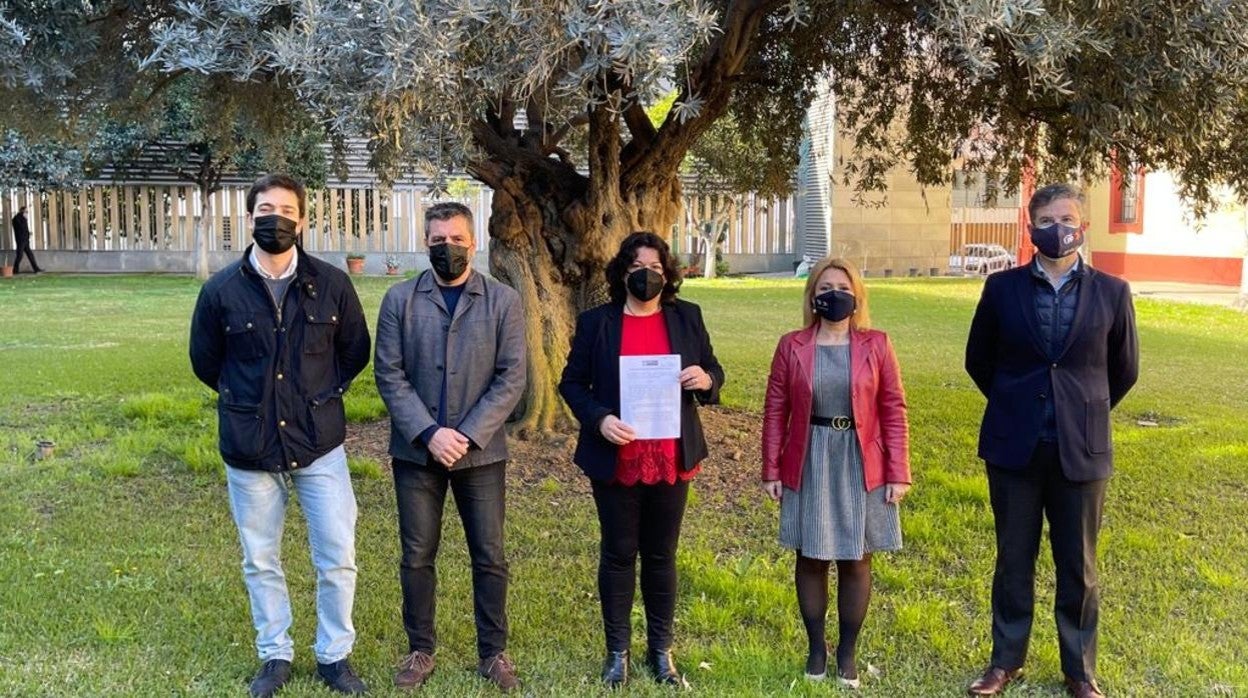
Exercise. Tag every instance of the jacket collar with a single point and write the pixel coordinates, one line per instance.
(254, 261)
(304, 268)
(474, 286)
(671, 319)
(807, 336)
(1025, 295)
(805, 348)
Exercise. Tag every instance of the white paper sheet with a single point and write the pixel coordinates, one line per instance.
(650, 395)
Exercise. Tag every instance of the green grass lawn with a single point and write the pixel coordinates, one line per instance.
(120, 570)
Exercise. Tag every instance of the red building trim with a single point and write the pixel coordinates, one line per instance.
(1161, 267)
(1026, 188)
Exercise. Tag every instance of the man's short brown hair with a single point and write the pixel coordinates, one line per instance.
(1047, 195)
(278, 181)
(445, 211)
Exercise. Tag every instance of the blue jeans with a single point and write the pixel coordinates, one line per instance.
(258, 502)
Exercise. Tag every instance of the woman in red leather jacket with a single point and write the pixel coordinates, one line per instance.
(835, 455)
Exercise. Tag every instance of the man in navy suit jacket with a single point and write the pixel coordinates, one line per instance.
(1053, 347)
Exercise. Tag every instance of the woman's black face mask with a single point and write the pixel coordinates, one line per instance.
(645, 284)
(834, 305)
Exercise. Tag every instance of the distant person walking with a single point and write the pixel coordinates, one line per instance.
(21, 235)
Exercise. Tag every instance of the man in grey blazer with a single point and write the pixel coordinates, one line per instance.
(450, 365)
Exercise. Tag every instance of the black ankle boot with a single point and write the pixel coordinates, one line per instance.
(615, 669)
(663, 666)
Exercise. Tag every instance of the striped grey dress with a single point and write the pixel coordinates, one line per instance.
(833, 517)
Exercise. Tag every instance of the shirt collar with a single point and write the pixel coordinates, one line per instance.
(1075, 270)
(290, 270)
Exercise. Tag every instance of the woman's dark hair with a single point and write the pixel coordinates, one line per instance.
(617, 268)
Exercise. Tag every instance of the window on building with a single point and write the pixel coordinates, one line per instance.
(1126, 200)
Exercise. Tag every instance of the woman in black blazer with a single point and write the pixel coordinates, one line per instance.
(640, 486)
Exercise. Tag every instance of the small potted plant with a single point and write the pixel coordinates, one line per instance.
(6, 269)
(355, 262)
(392, 265)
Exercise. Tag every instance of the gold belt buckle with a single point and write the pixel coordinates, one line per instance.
(842, 423)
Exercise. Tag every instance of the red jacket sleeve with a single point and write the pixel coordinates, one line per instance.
(894, 427)
(776, 409)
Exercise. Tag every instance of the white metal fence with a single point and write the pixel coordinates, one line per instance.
(142, 218)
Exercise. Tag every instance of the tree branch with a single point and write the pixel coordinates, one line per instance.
(487, 172)
(504, 153)
(710, 81)
(574, 122)
(121, 9)
(639, 125)
(501, 117)
(161, 85)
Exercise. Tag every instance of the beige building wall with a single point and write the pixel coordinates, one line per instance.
(910, 230)
(1171, 245)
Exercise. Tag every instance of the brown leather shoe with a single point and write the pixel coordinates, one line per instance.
(994, 680)
(414, 670)
(500, 671)
(1083, 689)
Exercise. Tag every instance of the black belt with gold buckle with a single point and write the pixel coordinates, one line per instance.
(839, 423)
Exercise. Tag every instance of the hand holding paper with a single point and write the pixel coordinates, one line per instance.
(616, 431)
(694, 378)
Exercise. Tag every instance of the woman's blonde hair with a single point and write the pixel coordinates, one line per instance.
(861, 319)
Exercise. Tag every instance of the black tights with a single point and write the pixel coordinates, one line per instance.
(853, 592)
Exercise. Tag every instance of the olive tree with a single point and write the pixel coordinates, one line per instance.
(545, 101)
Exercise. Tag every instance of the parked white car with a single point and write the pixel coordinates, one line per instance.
(981, 258)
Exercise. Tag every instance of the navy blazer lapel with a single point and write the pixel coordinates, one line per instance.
(1025, 293)
(1083, 305)
(613, 331)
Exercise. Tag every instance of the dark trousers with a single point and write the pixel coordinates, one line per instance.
(480, 498)
(632, 519)
(1021, 499)
(23, 246)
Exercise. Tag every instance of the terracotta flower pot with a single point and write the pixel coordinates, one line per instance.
(6, 271)
(355, 265)
(44, 449)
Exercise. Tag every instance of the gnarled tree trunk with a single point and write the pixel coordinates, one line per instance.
(551, 239)
(553, 229)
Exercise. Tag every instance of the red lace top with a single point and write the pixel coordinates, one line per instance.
(648, 461)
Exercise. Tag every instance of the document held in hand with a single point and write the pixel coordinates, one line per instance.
(650, 395)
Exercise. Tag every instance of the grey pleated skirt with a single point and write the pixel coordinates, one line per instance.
(833, 517)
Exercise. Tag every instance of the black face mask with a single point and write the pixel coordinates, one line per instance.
(834, 305)
(1056, 241)
(644, 284)
(448, 261)
(275, 234)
